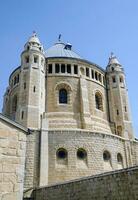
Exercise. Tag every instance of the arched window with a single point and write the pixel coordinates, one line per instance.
(14, 104)
(62, 157)
(63, 96)
(99, 101)
(119, 130)
(61, 153)
(106, 156)
(107, 161)
(81, 154)
(119, 161)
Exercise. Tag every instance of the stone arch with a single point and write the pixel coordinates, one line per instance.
(99, 100)
(61, 156)
(63, 93)
(107, 162)
(119, 161)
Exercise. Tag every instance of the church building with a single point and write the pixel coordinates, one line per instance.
(76, 114)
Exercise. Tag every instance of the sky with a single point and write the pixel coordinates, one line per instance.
(94, 28)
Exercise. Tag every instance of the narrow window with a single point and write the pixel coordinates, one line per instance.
(87, 71)
(104, 80)
(100, 79)
(99, 101)
(27, 59)
(114, 79)
(14, 80)
(14, 104)
(28, 47)
(18, 78)
(92, 73)
(34, 89)
(117, 112)
(24, 86)
(125, 109)
(35, 59)
(63, 96)
(22, 115)
(68, 68)
(112, 68)
(119, 130)
(121, 79)
(96, 76)
(42, 61)
(57, 68)
(62, 68)
(50, 68)
(75, 69)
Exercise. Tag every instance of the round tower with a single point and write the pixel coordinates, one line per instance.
(119, 111)
(32, 84)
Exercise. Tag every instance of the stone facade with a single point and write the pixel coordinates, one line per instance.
(118, 185)
(12, 159)
(77, 114)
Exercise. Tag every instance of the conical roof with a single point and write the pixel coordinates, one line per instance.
(113, 60)
(61, 49)
(34, 39)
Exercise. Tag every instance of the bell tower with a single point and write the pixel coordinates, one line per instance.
(119, 110)
(32, 87)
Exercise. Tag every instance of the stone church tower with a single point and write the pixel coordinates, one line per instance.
(77, 114)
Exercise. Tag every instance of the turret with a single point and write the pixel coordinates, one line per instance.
(119, 111)
(32, 84)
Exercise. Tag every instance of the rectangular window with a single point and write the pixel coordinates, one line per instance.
(87, 71)
(96, 76)
(92, 73)
(57, 68)
(100, 79)
(34, 89)
(22, 115)
(24, 86)
(35, 59)
(62, 68)
(50, 68)
(75, 69)
(114, 79)
(125, 109)
(117, 112)
(27, 59)
(69, 68)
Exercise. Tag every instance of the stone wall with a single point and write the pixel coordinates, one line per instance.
(117, 185)
(12, 159)
(94, 144)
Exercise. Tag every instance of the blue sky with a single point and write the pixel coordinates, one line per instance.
(95, 28)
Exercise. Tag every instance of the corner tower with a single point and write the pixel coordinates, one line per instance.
(119, 110)
(32, 84)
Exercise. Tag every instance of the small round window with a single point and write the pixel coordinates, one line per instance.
(81, 154)
(106, 156)
(61, 153)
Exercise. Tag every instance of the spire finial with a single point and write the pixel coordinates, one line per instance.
(59, 37)
(112, 54)
(34, 33)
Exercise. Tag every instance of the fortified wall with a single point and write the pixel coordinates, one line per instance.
(115, 185)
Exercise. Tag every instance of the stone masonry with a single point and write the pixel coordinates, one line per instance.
(116, 185)
(12, 159)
